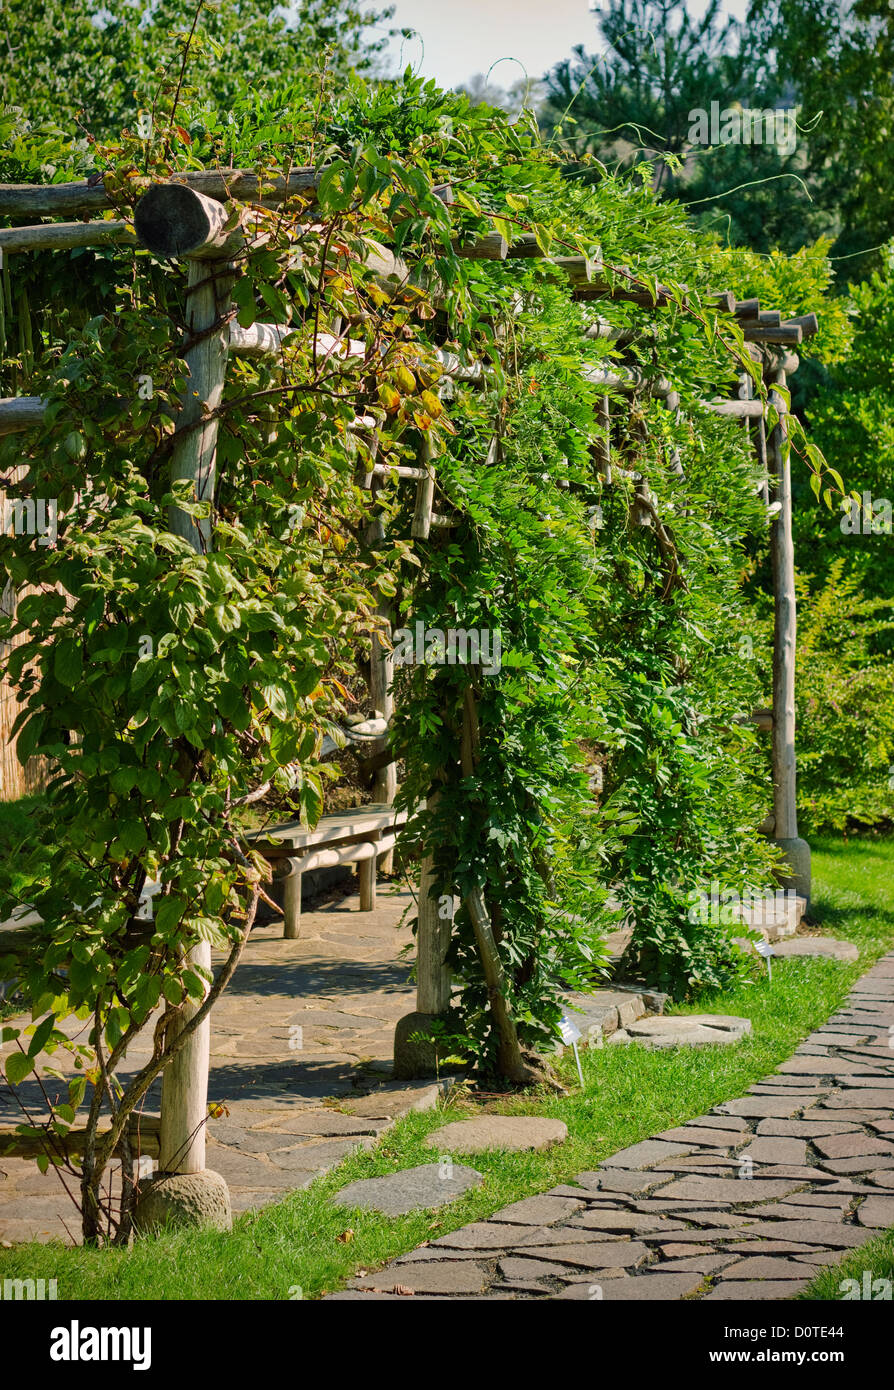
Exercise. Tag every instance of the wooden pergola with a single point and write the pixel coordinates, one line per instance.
(185, 219)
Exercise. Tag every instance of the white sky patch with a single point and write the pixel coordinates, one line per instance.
(458, 38)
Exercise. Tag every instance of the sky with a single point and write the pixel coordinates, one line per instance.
(462, 37)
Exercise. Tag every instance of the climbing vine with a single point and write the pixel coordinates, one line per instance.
(596, 772)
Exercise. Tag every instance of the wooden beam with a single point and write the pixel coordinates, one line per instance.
(808, 324)
(738, 410)
(194, 228)
(747, 308)
(19, 413)
(241, 185)
(724, 300)
(173, 220)
(492, 247)
(601, 289)
(381, 679)
(788, 334)
(777, 359)
(63, 236)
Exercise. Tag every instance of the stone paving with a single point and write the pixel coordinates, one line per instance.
(744, 1203)
(299, 1038)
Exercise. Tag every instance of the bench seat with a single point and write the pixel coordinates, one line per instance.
(357, 836)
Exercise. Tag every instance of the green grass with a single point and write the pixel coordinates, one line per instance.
(16, 834)
(629, 1093)
(875, 1258)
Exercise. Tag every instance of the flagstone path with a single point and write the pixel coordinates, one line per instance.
(744, 1203)
(301, 1041)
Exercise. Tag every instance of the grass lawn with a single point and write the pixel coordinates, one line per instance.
(304, 1244)
(876, 1259)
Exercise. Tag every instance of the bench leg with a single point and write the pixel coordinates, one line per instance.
(292, 907)
(366, 871)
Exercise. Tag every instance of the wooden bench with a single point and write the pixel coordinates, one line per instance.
(358, 837)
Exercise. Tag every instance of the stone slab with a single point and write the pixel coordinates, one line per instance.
(512, 1132)
(642, 1288)
(538, 1211)
(759, 1290)
(412, 1189)
(465, 1277)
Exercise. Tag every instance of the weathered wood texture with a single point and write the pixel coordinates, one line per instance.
(15, 780)
(184, 1087)
(782, 555)
(185, 1079)
(63, 236)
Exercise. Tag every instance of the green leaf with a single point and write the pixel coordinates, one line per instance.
(17, 1067)
(68, 665)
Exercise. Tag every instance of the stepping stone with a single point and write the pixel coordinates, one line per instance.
(467, 1277)
(589, 1254)
(776, 1150)
(734, 1190)
(817, 946)
(713, 1138)
(757, 1289)
(491, 1235)
(515, 1132)
(688, 1030)
(852, 1146)
(764, 1267)
(644, 1154)
(538, 1211)
(877, 1212)
(637, 1289)
(412, 1189)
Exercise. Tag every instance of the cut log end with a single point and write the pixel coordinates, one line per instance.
(173, 220)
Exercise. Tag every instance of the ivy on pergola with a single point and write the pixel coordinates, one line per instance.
(212, 220)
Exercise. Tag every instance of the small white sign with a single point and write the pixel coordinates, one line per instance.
(567, 1030)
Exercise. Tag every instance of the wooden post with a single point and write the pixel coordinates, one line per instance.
(782, 554)
(184, 1089)
(784, 628)
(433, 933)
(432, 941)
(425, 493)
(173, 220)
(366, 873)
(292, 907)
(381, 676)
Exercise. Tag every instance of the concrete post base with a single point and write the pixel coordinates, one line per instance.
(183, 1199)
(414, 1060)
(797, 852)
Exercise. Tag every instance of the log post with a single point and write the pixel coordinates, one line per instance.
(173, 220)
(782, 554)
(292, 907)
(184, 1088)
(381, 676)
(432, 941)
(433, 932)
(425, 493)
(366, 874)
